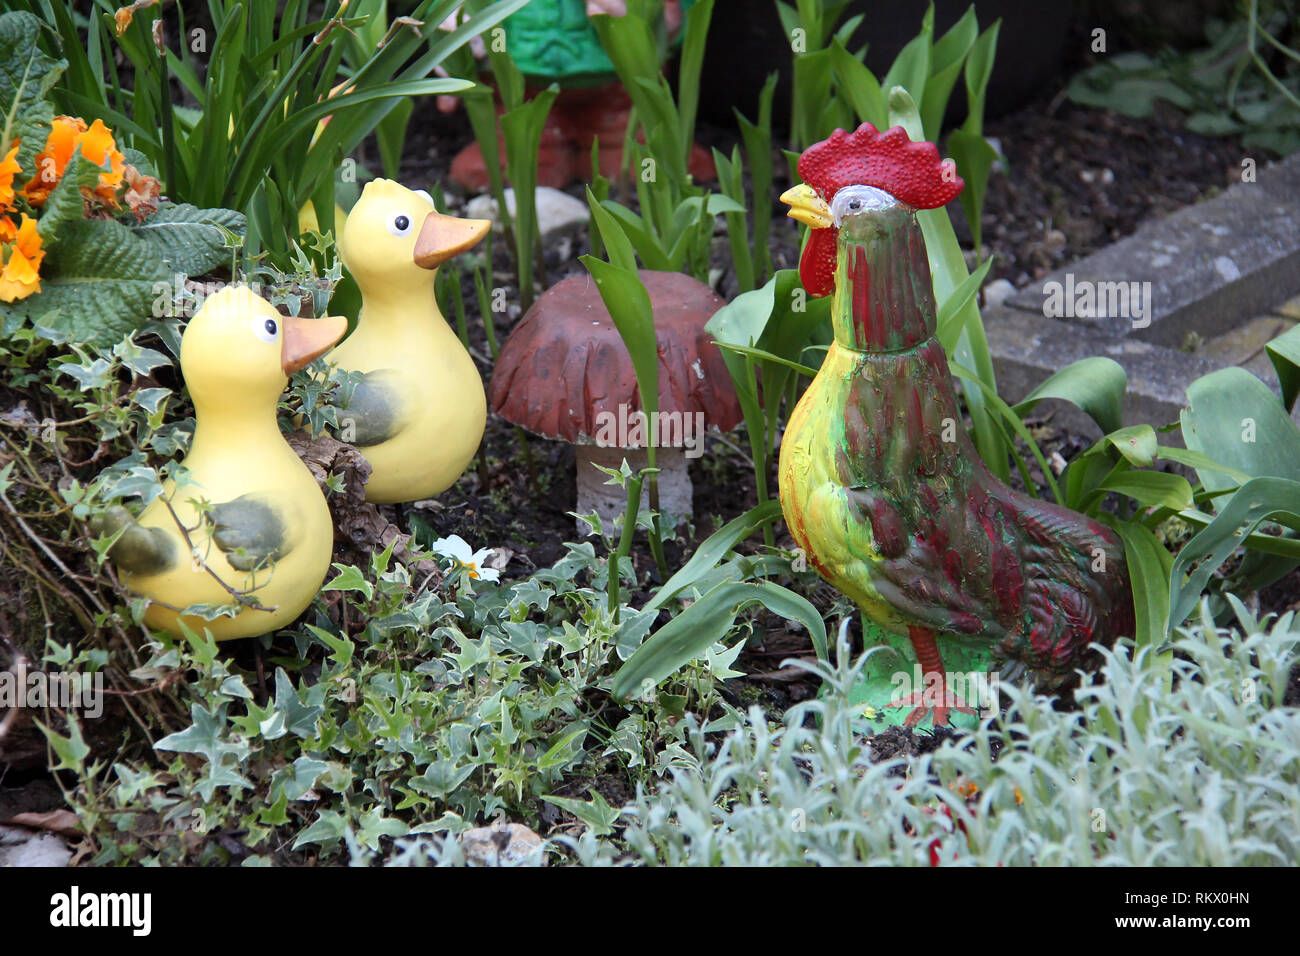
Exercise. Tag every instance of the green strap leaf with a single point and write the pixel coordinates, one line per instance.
(713, 548)
(1153, 489)
(1137, 444)
(950, 318)
(1236, 419)
(707, 621)
(1254, 502)
(1148, 569)
(1095, 385)
(1284, 353)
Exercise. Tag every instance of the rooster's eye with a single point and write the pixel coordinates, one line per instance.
(856, 200)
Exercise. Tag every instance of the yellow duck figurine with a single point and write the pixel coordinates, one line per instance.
(418, 413)
(267, 533)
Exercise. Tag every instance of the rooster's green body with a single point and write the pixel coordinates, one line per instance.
(884, 491)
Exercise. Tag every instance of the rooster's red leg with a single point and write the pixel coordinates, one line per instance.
(933, 694)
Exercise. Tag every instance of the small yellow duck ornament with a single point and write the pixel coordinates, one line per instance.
(243, 521)
(418, 413)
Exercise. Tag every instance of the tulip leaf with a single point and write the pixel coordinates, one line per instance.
(1096, 385)
(1284, 353)
(707, 621)
(1235, 419)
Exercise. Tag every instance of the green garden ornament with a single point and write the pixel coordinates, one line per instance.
(884, 491)
(554, 41)
(418, 413)
(242, 522)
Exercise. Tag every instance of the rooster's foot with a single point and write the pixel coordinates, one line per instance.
(923, 702)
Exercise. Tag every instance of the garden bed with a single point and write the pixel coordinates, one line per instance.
(670, 695)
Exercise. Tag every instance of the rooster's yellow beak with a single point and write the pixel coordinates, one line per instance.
(807, 207)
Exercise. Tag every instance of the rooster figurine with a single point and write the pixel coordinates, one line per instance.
(880, 485)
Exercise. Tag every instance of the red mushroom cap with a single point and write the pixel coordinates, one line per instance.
(565, 364)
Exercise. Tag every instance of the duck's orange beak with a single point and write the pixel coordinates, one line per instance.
(444, 237)
(304, 340)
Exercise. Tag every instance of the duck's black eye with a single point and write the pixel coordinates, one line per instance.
(268, 330)
(399, 223)
(855, 204)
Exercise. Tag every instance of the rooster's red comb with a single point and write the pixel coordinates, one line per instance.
(908, 171)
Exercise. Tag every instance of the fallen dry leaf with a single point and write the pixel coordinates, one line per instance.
(62, 822)
(361, 525)
(124, 15)
(142, 194)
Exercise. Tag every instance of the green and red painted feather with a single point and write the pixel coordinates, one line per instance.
(880, 484)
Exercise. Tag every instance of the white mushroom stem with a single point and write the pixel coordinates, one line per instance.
(608, 501)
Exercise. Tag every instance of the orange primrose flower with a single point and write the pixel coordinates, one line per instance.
(97, 146)
(8, 169)
(53, 159)
(21, 255)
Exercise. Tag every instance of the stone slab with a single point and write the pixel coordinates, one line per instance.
(1244, 346)
(1209, 265)
(1027, 348)
(1290, 309)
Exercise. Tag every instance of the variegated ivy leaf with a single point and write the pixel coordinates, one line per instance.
(139, 360)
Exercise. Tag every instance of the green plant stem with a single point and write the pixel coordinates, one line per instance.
(485, 304)
(625, 540)
(656, 530)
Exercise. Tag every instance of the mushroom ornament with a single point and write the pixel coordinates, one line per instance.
(566, 374)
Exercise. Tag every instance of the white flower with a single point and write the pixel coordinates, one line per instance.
(456, 548)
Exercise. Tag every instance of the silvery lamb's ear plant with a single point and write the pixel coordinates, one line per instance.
(1205, 773)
